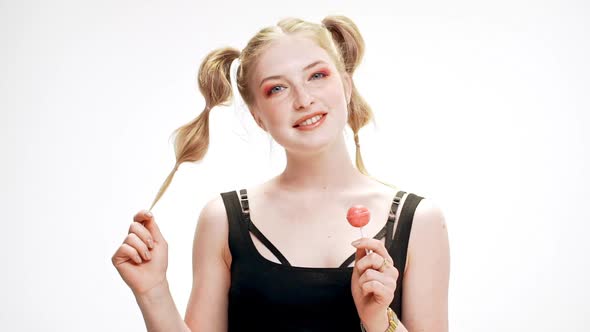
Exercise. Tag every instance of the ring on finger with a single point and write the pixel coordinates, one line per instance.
(383, 265)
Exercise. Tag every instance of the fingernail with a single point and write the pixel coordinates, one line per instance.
(150, 244)
(149, 214)
(356, 243)
(147, 254)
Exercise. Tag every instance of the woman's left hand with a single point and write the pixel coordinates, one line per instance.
(373, 283)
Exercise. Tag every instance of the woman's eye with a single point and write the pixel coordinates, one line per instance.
(318, 75)
(274, 89)
(278, 88)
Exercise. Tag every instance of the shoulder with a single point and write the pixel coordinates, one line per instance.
(212, 227)
(429, 214)
(213, 211)
(429, 231)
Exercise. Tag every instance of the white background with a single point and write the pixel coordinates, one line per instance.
(482, 107)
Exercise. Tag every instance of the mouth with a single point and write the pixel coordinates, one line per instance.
(310, 121)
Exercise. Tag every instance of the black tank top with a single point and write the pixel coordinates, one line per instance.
(267, 296)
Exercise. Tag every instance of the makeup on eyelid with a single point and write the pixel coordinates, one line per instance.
(267, 90)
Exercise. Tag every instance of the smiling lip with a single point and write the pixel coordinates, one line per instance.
(313, 125)
(307, 117)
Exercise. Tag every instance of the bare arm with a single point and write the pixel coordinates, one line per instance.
(208, 302)
(207, 306)
(159, 311)
(426, 281)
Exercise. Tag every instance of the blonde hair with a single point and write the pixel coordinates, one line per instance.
(337, 35)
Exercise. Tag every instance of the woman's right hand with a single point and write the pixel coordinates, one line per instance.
(142, 259)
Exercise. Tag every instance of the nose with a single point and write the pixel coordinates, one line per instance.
(302, 99)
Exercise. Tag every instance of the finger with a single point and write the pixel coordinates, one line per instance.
(360, 254)
(375, 262)
(142, 232)
(149, 222)
(134, 241)
(125, 253)
(372, 244)
(142, 216)
(377, 289)
(372, 275)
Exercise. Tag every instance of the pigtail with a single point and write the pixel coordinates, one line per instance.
(192, 139)
(351, 45)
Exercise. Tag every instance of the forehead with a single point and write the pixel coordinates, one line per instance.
(288, 54)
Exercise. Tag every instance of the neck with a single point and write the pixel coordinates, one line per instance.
(328, 170)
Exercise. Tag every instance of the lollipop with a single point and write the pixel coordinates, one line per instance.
(358, 216)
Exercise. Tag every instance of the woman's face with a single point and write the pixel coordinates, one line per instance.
(296, 80)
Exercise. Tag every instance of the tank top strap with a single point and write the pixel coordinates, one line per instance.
(392, 218)
(238, 229)
(243, 226)
(400, 246)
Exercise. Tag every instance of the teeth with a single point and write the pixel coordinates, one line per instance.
(310, 121)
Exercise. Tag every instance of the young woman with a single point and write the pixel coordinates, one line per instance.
(278, 256)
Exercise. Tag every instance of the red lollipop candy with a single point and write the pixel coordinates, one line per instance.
(358, 216)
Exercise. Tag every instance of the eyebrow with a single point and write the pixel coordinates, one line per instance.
(305, 68)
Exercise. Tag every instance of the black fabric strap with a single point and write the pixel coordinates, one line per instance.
(400, 246)
(268, 244)
(237, 230)
(392, 217)
(252, 228)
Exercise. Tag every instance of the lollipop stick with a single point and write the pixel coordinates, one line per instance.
(367, 251)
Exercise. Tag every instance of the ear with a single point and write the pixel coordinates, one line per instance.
(347, 82)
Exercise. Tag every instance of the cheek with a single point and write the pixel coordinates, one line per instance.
(337, 100)
(272, 117)
(337, 95)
